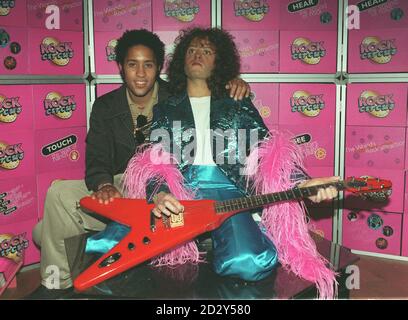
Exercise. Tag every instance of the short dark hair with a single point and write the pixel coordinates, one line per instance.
(226, 66)
(142, 37)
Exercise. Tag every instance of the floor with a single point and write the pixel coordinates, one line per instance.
(379, 279)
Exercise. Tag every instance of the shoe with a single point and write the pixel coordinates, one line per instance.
(43, 293)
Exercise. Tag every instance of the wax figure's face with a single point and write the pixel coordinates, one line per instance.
(200, 59)
(140, 70)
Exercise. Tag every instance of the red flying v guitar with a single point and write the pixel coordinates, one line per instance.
(150, 236)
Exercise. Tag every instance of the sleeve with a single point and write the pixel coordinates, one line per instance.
(99, 150)
(298, 174)
(160, 121)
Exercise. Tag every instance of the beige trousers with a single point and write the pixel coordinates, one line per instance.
(63, 219)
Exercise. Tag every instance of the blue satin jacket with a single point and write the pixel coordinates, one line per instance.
(235, 123)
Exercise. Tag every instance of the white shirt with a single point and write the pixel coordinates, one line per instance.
(201, 112)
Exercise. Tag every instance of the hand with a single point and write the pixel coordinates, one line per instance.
(238, 89)
(323, 193)
(167, 204)
(106, 194)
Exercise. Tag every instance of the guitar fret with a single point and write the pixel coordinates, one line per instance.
(260, 200)
(235, 204)
(264, 199)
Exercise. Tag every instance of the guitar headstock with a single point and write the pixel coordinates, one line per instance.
(369, 187)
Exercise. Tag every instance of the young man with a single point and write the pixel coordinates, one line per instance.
(119, 122)
(203, 61)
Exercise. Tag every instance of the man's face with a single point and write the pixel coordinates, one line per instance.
(139, 70)
(200, 58)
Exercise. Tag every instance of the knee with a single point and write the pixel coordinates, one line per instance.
(37, 231)
(260, 266)
(55, 190)
(250, 266)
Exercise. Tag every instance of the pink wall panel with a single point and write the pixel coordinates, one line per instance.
(379, 50)
(387, 14)
(18, 199)
(59, 105)
(308, 15)
(120, 15)
(16, 107)
(177, 15)
(250, 15)
(60, 149)
(55, 52)
(13, 13)
(377, 104)
(16, 153)
(375, 147)
(103, 88)
(14, 51)
(308, 51)
(17, 238)
(317, 143)
(265, 99)
(309, 104)
(70, 13)
(259, 51)
(372, 231)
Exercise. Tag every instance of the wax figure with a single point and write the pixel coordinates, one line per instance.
(119, 122)
(191, 164)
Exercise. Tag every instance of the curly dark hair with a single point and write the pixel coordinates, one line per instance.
(226, 66)
(143, 37)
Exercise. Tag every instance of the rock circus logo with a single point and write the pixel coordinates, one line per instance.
(110, 50)
(377, 50)
(13, 246)
(55, 104)
(10, 108)
(10, 155)
(182, 10)
(58, 53)
(253, 10)
(376, 104)
(309, 52)
(306, 103)
(6, 6)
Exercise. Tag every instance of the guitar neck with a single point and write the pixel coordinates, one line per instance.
(253, 202)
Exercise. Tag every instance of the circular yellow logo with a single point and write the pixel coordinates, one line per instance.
(58, 61)
(368, 94)
(15, 256)
(265, 112)
(378, 59)
(7, 118)
(320, 153)
(8, 165)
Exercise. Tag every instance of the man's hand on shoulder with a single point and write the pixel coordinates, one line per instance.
(106, 193)
(238, 89)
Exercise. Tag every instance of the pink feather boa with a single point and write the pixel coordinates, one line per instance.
(158, 164)
(269, 166)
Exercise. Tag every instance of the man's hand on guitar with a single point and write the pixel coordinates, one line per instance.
(106, 194)
(324, 194)
(166, 203)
